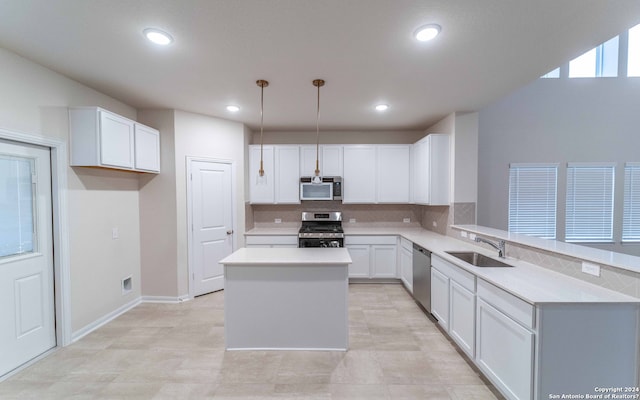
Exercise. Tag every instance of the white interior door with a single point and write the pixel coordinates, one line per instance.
(27, 326)
(212, 224)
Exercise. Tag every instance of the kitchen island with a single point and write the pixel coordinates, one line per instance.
(286, 299)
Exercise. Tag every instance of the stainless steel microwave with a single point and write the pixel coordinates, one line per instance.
(329, 189)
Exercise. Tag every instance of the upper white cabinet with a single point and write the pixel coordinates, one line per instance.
(393, 168)
(287, 171)
(146, 148)
(329, 157)
(377, 173)
(358, 180)
(281, 181)
(100, 138)
(431, 170)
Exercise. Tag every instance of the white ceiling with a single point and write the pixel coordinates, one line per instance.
(363, 49)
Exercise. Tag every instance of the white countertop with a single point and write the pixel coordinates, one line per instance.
(288, 256)
(532, 283)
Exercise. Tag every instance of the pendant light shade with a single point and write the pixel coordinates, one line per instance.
(317, 178)
(261, 179)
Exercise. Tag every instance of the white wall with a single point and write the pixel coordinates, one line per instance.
(34, 100)
(558, 121)
(202, 136)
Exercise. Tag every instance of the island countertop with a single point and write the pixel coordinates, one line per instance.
(288, 256)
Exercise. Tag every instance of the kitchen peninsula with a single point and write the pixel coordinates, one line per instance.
(286, 299)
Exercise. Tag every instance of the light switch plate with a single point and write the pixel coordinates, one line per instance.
(463, 234)
(352, 220)
(278, 220)
(591, 269)
(472, 236)
(406, 220)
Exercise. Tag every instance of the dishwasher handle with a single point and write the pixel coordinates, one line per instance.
(421, 250)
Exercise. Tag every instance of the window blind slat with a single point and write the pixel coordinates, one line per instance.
(532, 200)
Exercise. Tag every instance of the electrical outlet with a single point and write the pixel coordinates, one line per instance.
(115, 233)
(352, 220)
(435, 224)
(472, 236)
(278, 220)
(406, 220)
(463, 234)
(591, 269)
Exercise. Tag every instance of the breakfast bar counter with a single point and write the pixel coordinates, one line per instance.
(286, 299)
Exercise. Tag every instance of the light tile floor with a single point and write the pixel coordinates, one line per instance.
(176, 351)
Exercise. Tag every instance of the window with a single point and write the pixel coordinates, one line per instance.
(16, 206)
(552, 74)
(532, 199)
(631, 213)
(589, 214)
(601, 61)
(633, 55)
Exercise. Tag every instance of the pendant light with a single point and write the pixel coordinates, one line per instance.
(261, 178)
(317, 178)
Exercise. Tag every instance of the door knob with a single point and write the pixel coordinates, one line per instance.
(229, 232)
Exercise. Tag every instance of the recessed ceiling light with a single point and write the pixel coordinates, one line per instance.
(427, 32)
(382, 107)
(157, 36)
(233, 108)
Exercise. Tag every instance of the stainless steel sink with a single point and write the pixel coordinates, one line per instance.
(477, 259)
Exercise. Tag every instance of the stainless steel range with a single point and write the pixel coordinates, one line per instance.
(321, 229)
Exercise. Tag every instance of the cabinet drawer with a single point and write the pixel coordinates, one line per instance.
(272, 240)
(509, 304)
(370, 240)
(464, 278)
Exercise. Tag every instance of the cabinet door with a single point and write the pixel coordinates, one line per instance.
(420, 172)
(439, 169)
(359, 182)
(331, 160)
(406, 268)
(393, 172)
(360, 261)
(261, 191)
(504, 352)
(116, 140)
(287, 182)
(384, 261)
(462, 317)
(440, 298)
(308, 160)
(147, 148)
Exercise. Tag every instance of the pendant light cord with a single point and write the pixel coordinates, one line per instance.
(262, 83)
(317, 83)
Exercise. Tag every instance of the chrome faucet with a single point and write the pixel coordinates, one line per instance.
(499, 246)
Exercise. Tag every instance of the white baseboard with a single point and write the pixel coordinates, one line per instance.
(84, 331)
(164, 299)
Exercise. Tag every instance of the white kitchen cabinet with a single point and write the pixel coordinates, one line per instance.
(308, 160)
(360, 260)
(431, 170)
(287, 172)
(440, 298)
(406, 263)
(147, 148)
(271, 241)
(359, 181)
(100, 138)
(505, 352)
(372, 256)
(262, 191)
(393, 173)
(453, 291)
(281, 182)
(384, 261)
(332, 160)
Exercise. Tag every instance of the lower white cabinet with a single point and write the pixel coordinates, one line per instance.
(406, 264)
(271, 241)
(440, 298)
(372, 256)
(505, 352)
(453, 302)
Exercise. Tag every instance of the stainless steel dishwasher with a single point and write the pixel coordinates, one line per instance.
(422, 276)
